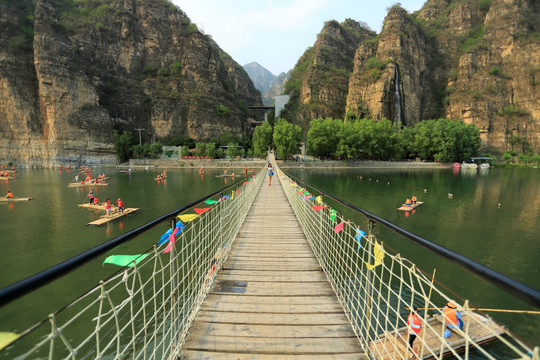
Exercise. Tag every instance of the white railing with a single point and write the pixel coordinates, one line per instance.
(145, 311)
(378, 289)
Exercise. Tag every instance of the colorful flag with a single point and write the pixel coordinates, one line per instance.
(165, 237)
(210, 201)
(187, 217)
(7, 338)
(318, 208)
(378, 252)
(319, 199)
(200, 211)
(358, 237)
(124, 260)
(333, 215)
(339, 227)
(306, 197)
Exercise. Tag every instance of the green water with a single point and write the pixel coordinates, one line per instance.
(504, 238)
(51, 228)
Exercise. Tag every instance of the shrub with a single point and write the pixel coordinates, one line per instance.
(222, 110)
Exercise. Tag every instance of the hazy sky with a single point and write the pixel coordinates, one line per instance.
(275, 33)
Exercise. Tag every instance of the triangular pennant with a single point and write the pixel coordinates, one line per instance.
(339, 227)
(7, 338)
(187, 217)
(165, 237)
(200, 211)
(306, 197)
(333, 215)
(319, 199)
(210, 201)
(124, 260)
(318, 208)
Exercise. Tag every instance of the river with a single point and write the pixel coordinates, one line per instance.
(493, 218)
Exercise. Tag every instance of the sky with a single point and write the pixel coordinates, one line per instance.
(275, 33)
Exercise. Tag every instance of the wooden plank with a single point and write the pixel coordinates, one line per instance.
(273, 308)
(283, 276)
(215, 355)
(105, 219)
(274, 345)
(281, 300)
(279, 288)
(257, 330)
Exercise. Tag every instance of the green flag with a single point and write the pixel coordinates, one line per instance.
(124, 260)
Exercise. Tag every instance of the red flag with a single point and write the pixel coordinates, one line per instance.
(317, 208)
(339, 227)
(200, 211)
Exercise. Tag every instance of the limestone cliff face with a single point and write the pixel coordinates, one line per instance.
(134, 64)
(476, 60)
(318, 85)
(395, 77)
(495, 82)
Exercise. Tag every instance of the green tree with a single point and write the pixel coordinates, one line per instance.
(200, 149)
(287, 138)
(262, 139)
(123, 145)
(232, 150)
(322, 137)
(155, 150)
(349, 141)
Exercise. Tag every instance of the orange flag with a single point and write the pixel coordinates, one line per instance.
(200, 211)
(317, 208)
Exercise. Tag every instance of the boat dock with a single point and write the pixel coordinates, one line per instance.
(271, 300)
(114, 215)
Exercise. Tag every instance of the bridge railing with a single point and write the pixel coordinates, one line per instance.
(144, 311)
(378, 289)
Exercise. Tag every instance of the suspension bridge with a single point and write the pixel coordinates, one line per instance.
(264, 272)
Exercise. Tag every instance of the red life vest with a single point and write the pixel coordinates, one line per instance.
(414, 323)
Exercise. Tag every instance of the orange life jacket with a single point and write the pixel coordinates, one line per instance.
(414, 323)
(450, 316)
(414, 198)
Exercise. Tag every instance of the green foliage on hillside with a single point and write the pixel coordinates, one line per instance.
(23, 36)
(441, 140)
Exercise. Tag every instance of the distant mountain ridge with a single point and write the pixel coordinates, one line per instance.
(267, 83)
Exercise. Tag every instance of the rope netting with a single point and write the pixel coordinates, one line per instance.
(378, 288)
(145, 310)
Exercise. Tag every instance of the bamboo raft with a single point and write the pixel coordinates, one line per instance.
(393, 344)
(231, 175)
(160, 178)
(4, 199)
(87, 184)
(115, 215)
(96, 206)
(405, 207)
(7, 177)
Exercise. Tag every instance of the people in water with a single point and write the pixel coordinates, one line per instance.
(9, 195)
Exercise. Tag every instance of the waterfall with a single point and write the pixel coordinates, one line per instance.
(397, 98)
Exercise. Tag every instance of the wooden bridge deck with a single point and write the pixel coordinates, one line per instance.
(271, 300)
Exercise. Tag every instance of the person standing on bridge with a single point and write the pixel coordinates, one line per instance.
(270, 172)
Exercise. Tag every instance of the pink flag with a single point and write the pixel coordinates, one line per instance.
(306, 197)
(200, 211)
(172, 241)
(339, 227)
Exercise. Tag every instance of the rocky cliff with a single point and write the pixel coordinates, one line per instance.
(476, 60)
(318, 84)
(71, 74)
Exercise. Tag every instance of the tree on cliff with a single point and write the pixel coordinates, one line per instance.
(123, 145)
(287, 138)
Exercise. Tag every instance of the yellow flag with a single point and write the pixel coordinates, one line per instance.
(187, 217)
(319, 199)
(232, 195)
(7, 338)
(379, 256)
